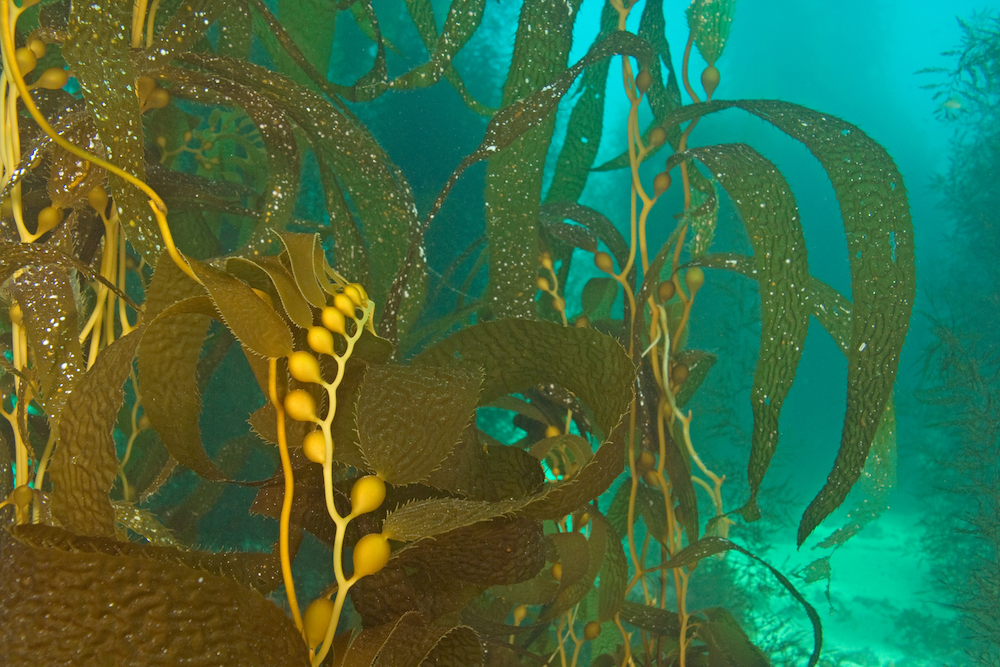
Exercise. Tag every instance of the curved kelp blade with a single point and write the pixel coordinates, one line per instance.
(97, 50)
(183, 31)
(709, 546)
(413, 641)
(84, 463)
(168, 362)
(613, 576)
(515, 355)
(514, 177)
(770, 215)
(571, 595)
(302, 253)
(66, 600)
(295, 306)
(586, 124)
(49, 318)
(490, 472)
(254, 322)
(488, 553)
(879, 234)
(409, 419)
(235, 29)
(727, 643)
(427, 518)
(597, 223)
(463, 19)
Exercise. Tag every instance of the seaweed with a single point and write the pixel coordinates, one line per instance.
(188, 209)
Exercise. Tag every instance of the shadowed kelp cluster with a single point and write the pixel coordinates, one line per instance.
(184, 186)
(960, 370)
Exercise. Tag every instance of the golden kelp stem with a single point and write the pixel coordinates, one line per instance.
(286, 502)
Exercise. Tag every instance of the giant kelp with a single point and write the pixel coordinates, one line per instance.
(170, 173)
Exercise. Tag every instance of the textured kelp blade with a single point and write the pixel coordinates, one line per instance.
(543, 96)
(252, 321)
(186, 27)
(658, 621)
(373, 82)
(833, 311)
(877, 480)
(168, 361)
(462, 21)
(501, 551)
(830, 308)
(367, 643)
(570, 596)
(572, 555)
(709, 546)
(586, 124)
(459, 648)
(397, 589)
(597, 223)
(879, 233)
(770, 215)
(525, 124)
(312, 26)
(427, 518)
(613, 575)
(414, 642)
(410, 418)
(291, 298)
(515, 355)
(14, 256)
(235, 29)
(876, 217)
(423, 19)
(259, 571)
(86, 607)
(301, 250)
(493, 472)
(97, 50)
(698, 363)
(48, 306)
(84, 464)
(727, 643)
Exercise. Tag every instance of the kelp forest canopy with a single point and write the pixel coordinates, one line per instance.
(190, 187)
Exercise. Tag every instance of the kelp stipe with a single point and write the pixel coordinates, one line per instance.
(455, 548)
